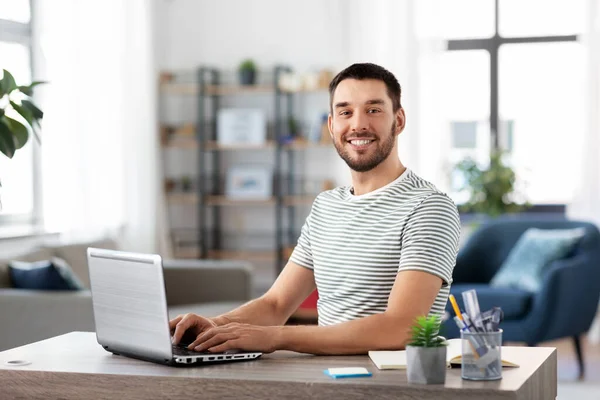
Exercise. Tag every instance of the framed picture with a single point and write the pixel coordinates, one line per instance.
(249, 182)
(241, 126)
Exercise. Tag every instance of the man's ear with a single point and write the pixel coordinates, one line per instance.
(330, 125)
(400, 121)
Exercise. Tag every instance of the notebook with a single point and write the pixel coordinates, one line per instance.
(396, 359)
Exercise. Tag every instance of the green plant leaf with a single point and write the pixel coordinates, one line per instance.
(425, 332)
(7, 142)
(35, 112)
(25, 113)
(7, 83)
(248, 65)
(19, 131)
(28, 90)
(490, 189)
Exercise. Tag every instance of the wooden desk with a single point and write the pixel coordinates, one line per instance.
(74, 366)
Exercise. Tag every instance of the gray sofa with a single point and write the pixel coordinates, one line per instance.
(202, 286)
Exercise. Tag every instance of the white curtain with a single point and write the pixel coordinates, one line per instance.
(398, 42)
(586, 204)
(100, 165)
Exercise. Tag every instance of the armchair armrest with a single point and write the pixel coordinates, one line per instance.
(568, 301)
(204, 281)
(30, 315)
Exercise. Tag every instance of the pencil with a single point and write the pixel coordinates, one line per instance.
(455, 307)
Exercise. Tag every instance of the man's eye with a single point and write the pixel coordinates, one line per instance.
(344, 112)
(373, 110)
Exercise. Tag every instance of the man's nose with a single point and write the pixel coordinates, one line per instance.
(359, 122)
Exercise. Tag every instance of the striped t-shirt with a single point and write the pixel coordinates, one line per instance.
(356, 245)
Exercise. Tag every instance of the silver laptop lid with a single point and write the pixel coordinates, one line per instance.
(129, 301)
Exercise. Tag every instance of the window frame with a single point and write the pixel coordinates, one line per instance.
(492, 46)
(22, 33)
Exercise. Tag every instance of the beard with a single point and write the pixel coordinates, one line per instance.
(364, 163)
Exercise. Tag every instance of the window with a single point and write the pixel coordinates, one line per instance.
(513, 81)
(18, 191)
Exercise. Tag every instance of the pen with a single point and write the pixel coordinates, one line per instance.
(472, 307)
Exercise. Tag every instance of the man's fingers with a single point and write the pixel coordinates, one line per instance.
(216, 340)
(210, 332)
(228, 345)
(204, 336)
(175, 321)
(182, 326)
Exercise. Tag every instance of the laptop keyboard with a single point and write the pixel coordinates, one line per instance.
(182, 350)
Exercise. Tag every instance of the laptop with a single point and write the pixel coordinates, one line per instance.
(130, 310)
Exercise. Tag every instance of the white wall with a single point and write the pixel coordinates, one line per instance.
(221, 33)
(306, 35)
(311, 34)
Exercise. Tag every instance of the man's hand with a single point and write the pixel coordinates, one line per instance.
(192, 324)
(236, 336)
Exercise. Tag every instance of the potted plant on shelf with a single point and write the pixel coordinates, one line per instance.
(247, 72)
(186, 183)
(426, 352)
(18, 115)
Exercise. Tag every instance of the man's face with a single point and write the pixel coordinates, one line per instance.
(363, 124)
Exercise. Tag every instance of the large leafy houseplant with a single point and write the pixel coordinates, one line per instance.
(490, 189)
(426, 352)
(18, 114)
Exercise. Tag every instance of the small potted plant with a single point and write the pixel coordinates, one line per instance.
(186, 183)
(247, 71)
(426, 352)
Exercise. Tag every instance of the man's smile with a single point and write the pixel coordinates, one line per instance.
(360, 143)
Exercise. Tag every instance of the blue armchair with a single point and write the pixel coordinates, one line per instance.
(567, 302)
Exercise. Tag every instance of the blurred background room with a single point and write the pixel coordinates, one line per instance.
(196, 129)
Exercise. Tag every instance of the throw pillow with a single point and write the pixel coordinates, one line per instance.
(535, 249)
(53, 274)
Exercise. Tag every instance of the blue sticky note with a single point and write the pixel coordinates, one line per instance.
(348, 372)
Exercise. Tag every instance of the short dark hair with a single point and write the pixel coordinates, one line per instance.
(368, 71)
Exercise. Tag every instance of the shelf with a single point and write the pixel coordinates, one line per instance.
(302, 145)
(298, 200)
(245, 255)
(189, 142)
(226, 201)
(179, 88)
(192, 198)
(227, 90)
(182, 198)
(212, 145)
(186, 252)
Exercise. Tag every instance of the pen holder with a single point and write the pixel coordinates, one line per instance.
(481, 358)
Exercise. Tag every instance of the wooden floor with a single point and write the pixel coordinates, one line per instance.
(568, 370)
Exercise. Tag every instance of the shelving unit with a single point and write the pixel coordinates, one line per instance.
(208, 198)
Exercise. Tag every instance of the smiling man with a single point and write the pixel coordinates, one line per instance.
(380, 252)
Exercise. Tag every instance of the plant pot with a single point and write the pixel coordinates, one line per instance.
(247, 77)
(426, 364)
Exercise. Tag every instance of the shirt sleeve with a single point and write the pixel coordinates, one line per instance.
(302, 254)
(430, 238)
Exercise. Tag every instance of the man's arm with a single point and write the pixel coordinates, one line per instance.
(291, 288)
(412, 295)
